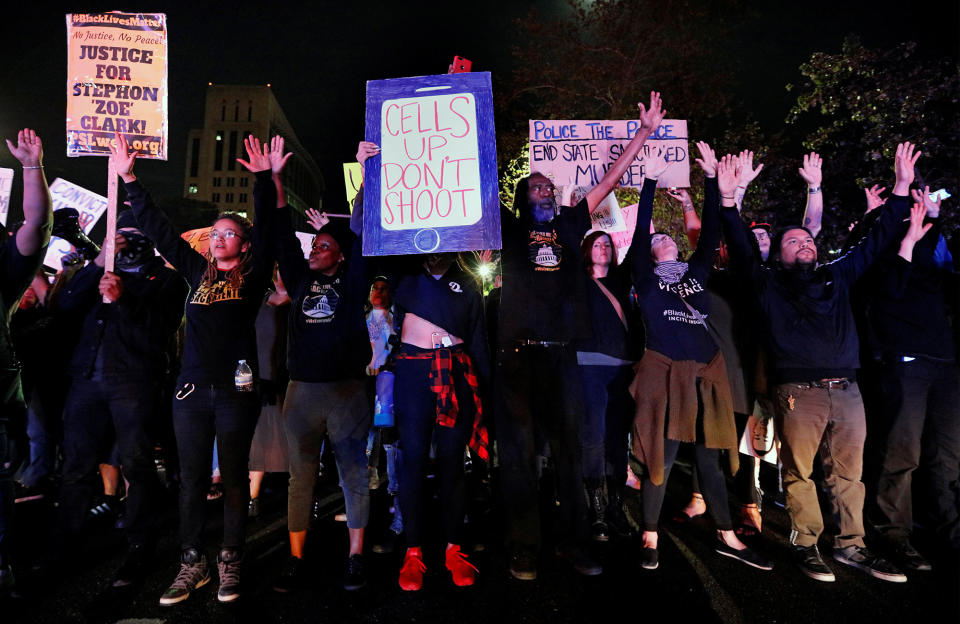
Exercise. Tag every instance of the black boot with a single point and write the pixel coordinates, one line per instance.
(598, 514)
(616, 517)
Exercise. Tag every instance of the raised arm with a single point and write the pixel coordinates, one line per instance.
(747, 175)
(638, 257)
(261, 161)
(812, 174)
(650, 119)
(853, 264)
(152, 221)
(722, 186)
(34, 234)
(691, 222)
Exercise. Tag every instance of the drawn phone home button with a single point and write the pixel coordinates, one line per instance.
(426, 240)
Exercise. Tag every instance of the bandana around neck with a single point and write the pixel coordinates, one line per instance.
(670, 271)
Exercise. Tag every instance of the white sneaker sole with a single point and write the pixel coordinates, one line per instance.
(883, 576)
(166, 602)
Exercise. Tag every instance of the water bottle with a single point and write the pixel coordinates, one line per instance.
(243, 378)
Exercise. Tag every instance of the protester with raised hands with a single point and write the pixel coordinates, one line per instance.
(215, 394)
(20, 258)
(917, 422)
(813, 347)
(328, 351)
(683, 368)
(812, 174)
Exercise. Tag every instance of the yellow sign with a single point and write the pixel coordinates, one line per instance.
(352, 180)
(117, 82)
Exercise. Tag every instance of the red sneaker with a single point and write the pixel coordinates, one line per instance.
(463, 572)
(411, 574)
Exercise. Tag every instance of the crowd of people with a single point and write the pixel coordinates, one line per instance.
(259, 359)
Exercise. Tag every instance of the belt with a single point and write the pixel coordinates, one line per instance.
(839, 383)
(541, 343)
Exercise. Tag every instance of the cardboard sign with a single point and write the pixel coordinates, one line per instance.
(306, 242)
(6, 187)
(433, 187)
(91, 207)
(352, 181)
(117, 82)
(580, 152)
(623, 238)
(199, 239)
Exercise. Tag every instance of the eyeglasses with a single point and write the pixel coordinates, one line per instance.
(226, 234)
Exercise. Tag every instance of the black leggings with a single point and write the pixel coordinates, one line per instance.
(415, 406)
(712, 486)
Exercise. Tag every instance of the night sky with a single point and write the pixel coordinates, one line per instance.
(317, 60)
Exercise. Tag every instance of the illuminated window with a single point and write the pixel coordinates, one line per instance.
(192, 189)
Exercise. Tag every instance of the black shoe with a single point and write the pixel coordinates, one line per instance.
(290, 577)
(747, 556)
(253, 508)
(811, 564)
(909, 558)
(228, 566)
(355, 576)
(105, 510)
(135, 566)
(581, 561)
(523, 566)
(862, 559)
(649, 558)
(598, 511)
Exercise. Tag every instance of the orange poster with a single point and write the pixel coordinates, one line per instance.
(117, 82)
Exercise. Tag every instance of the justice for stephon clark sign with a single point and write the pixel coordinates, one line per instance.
(117, 82)
(433, 187)
(578, 153)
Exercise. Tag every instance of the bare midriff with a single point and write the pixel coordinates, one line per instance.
(420, 332)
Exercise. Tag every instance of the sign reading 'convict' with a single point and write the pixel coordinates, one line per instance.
(117, 82)
(433, 187)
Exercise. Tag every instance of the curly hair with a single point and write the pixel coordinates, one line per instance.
(236, 274)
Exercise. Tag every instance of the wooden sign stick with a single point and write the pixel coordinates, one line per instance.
(109, 243)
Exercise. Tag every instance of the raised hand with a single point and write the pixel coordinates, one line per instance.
(29, 148)
(122, 158)
(316, 219)
(903, 165)
(681, 195)
(874, 200)
(654, 164)
(932, 207)
(915, 231)
(277, 159)
(728, 172)
(747, 172)
(651, 117)
(366, 149)
(707, 160)
(811, 171)
(259, 155)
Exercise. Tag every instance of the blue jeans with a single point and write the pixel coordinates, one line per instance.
(605, 421)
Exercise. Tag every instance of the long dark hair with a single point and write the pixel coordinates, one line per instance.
(236, 274)
(777, 241)
(586, 247)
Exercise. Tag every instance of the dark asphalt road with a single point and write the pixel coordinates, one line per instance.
(692, 584)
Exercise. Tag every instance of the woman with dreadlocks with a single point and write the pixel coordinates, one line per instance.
(227, 284)
(681, 386)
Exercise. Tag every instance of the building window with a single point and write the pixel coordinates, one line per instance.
(192, 189)
(232, 154)
(244, 182)
(223, 111)
(231, 181)
(195, 158)
(216, 198)
(243, 198)
(236, 111)
(229, 198)
(218, 152)
(249, 111)
(218, 181)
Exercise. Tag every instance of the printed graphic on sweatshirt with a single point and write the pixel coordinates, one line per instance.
(207, 293)
(320, 305)
(544, 251)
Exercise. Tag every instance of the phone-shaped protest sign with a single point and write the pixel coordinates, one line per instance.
(433, 187)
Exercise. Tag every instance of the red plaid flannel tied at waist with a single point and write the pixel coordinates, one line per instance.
(441, 383)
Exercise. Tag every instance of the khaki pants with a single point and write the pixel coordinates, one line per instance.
(832, 422)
